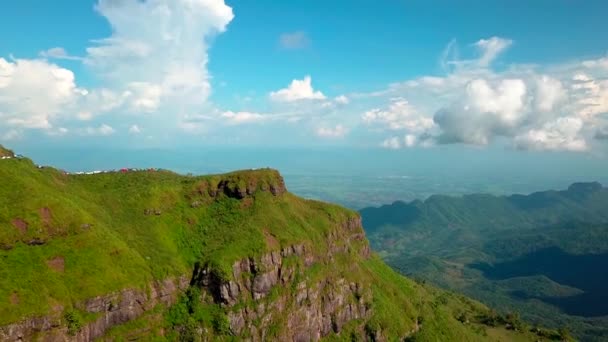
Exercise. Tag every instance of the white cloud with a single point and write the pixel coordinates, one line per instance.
(296, 91)
(144, 97)
(400, 115)
(601, 63)
(294, 40)
(61, 131)
(58, 53)
(392, 143)
(559, 107)
(561, 134)
(483, 111)
(549, 92)
(591, 95)
(157, 52)
(490, 49)
(236, 118)
(410, 140)
(33, 92)
(342, 100)
(134, 129)
(338, 131)
(154, 61)
(407, 141)
(102, 130)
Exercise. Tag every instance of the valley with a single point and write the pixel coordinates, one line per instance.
(541, 255)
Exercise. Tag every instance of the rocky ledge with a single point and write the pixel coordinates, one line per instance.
(109, 310)
(241, 184)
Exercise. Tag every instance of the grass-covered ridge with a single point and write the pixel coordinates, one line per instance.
(67, 238)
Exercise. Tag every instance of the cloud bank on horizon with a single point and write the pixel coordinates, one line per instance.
(154, 81)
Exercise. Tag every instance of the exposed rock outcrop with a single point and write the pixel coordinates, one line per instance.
(242, 184)
(112, 309)
(259, 293)
(307, 310)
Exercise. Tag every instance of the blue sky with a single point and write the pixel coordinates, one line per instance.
(518, 75)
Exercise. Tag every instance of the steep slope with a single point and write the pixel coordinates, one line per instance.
(541, 254)
(155, 255)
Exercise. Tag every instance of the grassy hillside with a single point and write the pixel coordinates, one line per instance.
(68, 238)
(541, 255)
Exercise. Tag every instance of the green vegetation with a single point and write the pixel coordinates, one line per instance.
(68, 238)
(73, 321)
(541, 255)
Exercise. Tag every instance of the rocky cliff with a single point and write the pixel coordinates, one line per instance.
(306, 310)
(106, 311)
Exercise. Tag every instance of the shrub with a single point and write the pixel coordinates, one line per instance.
(73, 321)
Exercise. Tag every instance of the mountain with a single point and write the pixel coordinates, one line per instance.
(542, 254)
(153, 255)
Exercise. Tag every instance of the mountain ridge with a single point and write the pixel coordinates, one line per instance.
(150, 254)
(462, 243)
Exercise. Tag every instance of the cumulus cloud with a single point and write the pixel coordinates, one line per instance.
(591, 94)
(294, 40)
(561, 134)
(523, 107)
(296, 91)
(154, 61)
(400, 115)
(557, 107)
(486, 110)
(549, 91)
(157, 51)
(33, 92)
(337, 131)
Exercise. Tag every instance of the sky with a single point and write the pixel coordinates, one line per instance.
(517, 76)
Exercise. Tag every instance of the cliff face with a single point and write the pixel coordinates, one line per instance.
(305, 310)
(260, 293)
(108, 311)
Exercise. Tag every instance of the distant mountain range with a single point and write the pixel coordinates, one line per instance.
(544, 255)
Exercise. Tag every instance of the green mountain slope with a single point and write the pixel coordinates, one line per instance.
(542, 254)
(153, 255)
